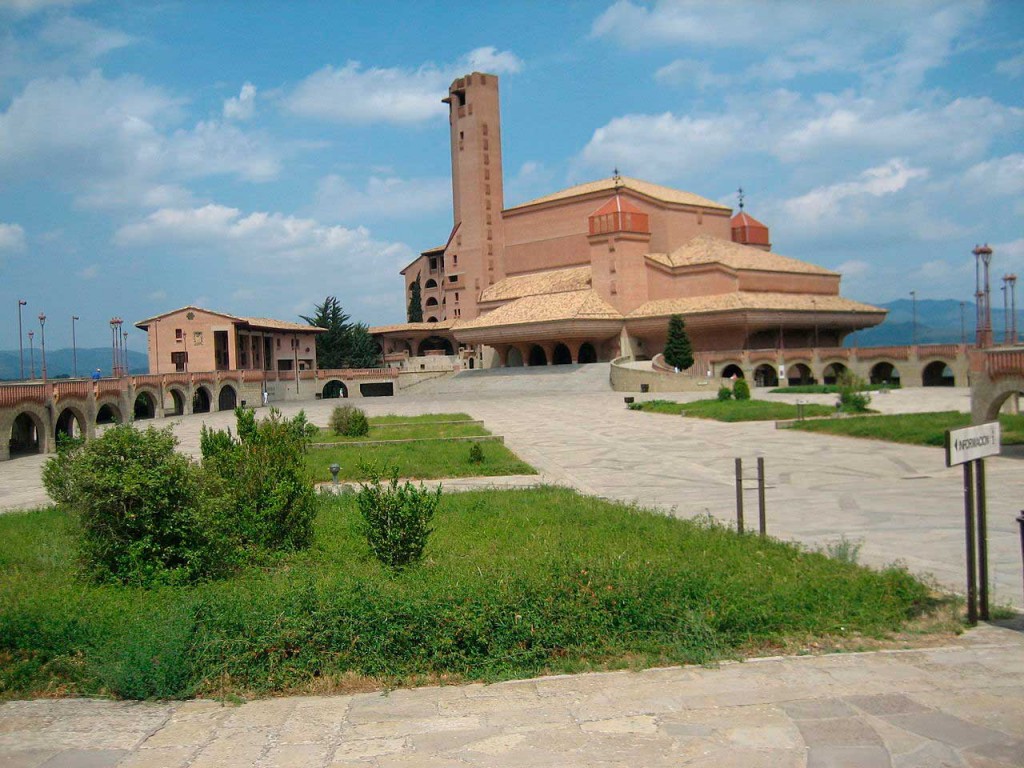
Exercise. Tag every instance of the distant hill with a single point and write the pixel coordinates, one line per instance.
(59, 362)
(938, 322)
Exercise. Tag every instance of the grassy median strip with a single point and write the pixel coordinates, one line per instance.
(733, 410)
(912, 428)
(415, 430)
(514, 584)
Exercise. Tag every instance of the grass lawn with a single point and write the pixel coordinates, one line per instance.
(913, 428)
(417, 430)
(733, 410)
(828, 389)
(514, 584)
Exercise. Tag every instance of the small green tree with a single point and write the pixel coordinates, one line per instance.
(724, 393)
(415, 312)
(678, 350)
(396, 518)
(741, 390)
(852, 397)
(349, 421)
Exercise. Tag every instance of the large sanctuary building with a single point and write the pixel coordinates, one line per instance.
(593, 272)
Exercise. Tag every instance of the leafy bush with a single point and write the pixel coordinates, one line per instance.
(724, 393)
(678, 349)
(396, 518)
(476, 453)
(58, 479)
(147, 515)
(852, 397)
(349, 421)
(267, 487)
(741, 390)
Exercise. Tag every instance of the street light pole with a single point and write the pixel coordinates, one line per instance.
(1006, 312)
(1011, 279)
(42, 342)
(74, 347)
(21, 340)
(127, 370)
(913, 327)
(983, 256)
(963, 329)
(32, 354)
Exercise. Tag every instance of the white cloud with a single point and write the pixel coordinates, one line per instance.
(12, 237)
(854, 269)
(88, 273)
(691, 72)
(83, 38)
(26, 7)
(848, 204)
(354, 94)
(1012, 67)
(381, 198)
(490, 60)
(215, 148)
(1012, 251)
(998, 176)
(243, 106)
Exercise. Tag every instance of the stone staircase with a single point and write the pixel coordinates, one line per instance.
(589, 377)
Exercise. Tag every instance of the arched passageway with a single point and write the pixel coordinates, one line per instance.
(561, 355)
(435, 344)
(26, 435)
(732, 371)
(587, 353)
(201, 400)
(885, 373)
(177, 405)
(538, 356)
(938, 374)
(431, 302)
(833, 373)
(144, 407)
(334, 389)
(227, 400)
(108, 414)
(70, 423)
(765, 375)
(798, 375)
(513, 358)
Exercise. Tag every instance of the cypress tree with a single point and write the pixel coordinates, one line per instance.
(416, 303)
(678, 350)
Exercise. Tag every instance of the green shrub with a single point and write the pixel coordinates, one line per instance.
(476, 453)
(724, 393)
(396, 518)
(852, 397)
(349, 421)
(678, 349)
(267, 487)
(147, 515)
(741, 390)
(57, 477)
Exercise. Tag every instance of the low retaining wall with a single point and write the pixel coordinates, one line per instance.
(626, 379)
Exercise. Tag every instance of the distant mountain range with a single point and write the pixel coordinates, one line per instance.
(938, 322)
(59, 362)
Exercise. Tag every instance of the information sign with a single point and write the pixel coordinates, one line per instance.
(970, 443)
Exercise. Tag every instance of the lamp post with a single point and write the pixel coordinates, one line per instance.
(1006, 312)
(31, 355)
(983, 256)
(963, 328)
(115, 342)
(1011, 280)
(42, 342)
(21, 341)
(125, 350)
(74, 347)
(913, 326)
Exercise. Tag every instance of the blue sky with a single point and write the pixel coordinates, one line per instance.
(254, 157)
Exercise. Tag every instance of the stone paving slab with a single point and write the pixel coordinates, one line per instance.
(958, 705)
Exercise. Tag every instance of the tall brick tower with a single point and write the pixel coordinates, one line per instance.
(473, 258)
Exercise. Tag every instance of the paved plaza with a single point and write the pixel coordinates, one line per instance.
(960, 705)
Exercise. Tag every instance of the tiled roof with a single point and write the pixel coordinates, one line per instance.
(617, 204)
(552, 281)
(440, 325)
(743, 300)
(656, 191)
(281, 325)
(568, 305)
(744, 219)
(705, 249)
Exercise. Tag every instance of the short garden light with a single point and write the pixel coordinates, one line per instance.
(335, 469)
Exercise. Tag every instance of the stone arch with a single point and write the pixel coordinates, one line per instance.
(334, 389)
(987, 399)
(108, 413)
(70, 423)
(799, 374)
(884, 372)
(537, 355)
(144, 406)
(201, 402)
(27, 435)
(514, 358)
(430, 302)
(561, 355)
(833, 372)
(431, 319)
(938, 373)
(431, 283)
(587, 353)
(731, 370)
(178, 398)
(435, 343)
(227, 398)
(765, 375)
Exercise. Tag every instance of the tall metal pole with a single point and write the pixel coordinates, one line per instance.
(981, 513)
(74, 346)
(42, 341)
(963, 328)
(31, 355)
(983, 255)
(113, 349)
(126, 366)
(1006, 313)
(1012, 280)
(913, 327)
(21, 341)
(972, 572)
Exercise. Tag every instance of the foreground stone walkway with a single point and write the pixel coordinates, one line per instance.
(961, 705)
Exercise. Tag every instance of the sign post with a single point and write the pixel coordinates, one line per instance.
(969, 446)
